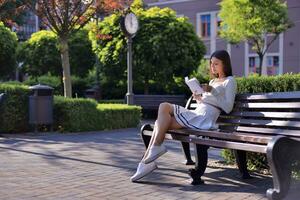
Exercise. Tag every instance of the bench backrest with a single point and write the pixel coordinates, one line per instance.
(153, 101)
(275, 113)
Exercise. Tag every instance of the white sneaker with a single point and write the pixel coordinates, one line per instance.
(154, 153)
(143, 170)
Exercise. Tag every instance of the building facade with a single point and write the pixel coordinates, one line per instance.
(30, 26)
(282, 57)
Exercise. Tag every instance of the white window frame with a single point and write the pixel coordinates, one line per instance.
(198, 25)
(212, 38)
(264, 61)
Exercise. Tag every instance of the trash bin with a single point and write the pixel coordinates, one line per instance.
(93, 93)
(41, 106)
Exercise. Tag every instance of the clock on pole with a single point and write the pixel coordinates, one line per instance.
(129, 25)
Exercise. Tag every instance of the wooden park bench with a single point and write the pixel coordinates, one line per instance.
(151, 102)
(266, 123)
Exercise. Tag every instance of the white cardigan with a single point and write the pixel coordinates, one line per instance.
(222, 94)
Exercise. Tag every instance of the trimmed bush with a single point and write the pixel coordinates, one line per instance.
(256, 84)
(86, 115)
(112, 101)
(74, 114)
(119, 115)
(70, 115)
(14, 109)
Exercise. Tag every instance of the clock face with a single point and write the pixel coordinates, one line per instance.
(131, 23)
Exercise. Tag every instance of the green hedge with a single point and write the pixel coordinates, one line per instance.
(86, 115)
(256, 84)
(70, 115)
(112, 101)
(14, 109)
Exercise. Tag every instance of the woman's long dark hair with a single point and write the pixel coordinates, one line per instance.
(225, 58)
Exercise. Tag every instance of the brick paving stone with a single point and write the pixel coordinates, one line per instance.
(98, 165)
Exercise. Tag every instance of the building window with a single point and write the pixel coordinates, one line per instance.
(272, 65)
(205, 25)
(253, 65)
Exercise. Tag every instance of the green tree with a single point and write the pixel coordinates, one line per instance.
(65, 17)
(165, 48)
(8, 45)
(252, 21)
(82, 57)
(40, 54)
(12, 12)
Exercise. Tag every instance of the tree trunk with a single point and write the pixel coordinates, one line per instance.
(261, 59)
(64, 52)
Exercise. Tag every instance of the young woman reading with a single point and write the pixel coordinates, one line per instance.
(219, 95)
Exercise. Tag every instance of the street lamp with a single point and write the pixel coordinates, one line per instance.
(129, 25)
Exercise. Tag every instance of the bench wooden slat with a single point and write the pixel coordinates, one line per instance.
(269, 96)
(266, 131)
(244, 137)
(286, 115)
(215, 143)
(281, 123)
(277, 105)
(230, 145)
(236, 136)
(264, 105)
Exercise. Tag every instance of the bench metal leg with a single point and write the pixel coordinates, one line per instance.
(281, 153)
(201, 163)
(187, 153)
(146, 138)
(241, 160)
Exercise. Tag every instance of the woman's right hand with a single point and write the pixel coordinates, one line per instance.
(206, 87)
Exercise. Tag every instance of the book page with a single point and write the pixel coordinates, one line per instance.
(194, 85)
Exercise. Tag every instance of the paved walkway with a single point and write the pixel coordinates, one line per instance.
(98, 166)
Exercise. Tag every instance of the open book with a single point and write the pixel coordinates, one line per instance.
(194, 85)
